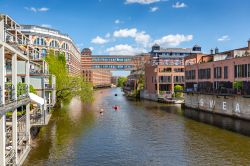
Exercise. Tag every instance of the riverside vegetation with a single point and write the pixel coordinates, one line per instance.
(67, 86)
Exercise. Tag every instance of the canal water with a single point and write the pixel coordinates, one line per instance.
(139, 133)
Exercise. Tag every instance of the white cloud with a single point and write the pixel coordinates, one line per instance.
(154, 9)
(224, 38)
(33, 9)
(46, 25)
(91, 48)
(139, 37)
(124, 49)
(173, 40)
(141, 1)
(125, 33)
(142, 38)
(179, 5)
(99, 40)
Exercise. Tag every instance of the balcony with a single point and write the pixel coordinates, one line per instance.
(16, 42)
(11, 102)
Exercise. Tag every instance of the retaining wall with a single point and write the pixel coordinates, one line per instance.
(236, 106)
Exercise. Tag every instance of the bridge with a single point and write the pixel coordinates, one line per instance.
(112, 62)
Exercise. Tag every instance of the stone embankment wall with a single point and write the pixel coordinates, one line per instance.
(235, 106)
(148, 96)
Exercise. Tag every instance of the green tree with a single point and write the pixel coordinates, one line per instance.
(67, 86)
(178, 88)
(121, 81)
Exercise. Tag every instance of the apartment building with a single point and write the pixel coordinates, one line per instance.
(98, 78)
(14, 140)
(19, 108)
(219, 72)
(46, 39)
(166, 68)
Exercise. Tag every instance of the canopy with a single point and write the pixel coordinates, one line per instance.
(37, 99)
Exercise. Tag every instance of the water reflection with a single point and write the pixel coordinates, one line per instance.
(140, 133)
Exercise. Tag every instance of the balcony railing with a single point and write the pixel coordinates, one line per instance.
(38, 71)
(37, 117)
(223, 91)
(9, 93)
(11, 39)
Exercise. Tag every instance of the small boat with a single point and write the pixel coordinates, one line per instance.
(116, 107)
(116, 95)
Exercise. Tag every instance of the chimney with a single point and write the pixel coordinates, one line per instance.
(249, 44)
(211, 51)
(216, 50)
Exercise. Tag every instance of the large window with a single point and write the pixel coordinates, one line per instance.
(65, 46)
(241, 71)
(54, 44)
(204, 73)
(40, 41)
(164, 79)
(225, 72)
(217, 72)
(190, 75)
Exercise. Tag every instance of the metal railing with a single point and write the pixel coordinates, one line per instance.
(37, 117)
(9, 157)
(22, 142)
(222, 91)
(15, 42)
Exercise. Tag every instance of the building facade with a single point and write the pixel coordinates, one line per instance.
(98, 78)
(166, 69)
(20, 109)
(45, 39)
(13, 48)
(219, 72)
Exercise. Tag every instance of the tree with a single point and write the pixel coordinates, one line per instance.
(177, 89)
(121, 81)
(67, 86)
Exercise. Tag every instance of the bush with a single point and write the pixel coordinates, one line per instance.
(178, 88)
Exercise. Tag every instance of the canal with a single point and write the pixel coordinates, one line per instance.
(140, 133)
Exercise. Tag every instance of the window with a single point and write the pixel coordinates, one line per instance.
(204, 73)
(190, 75)
(54, 44)
(225, 72)
(241, 71)
(217, 72)
(40, 41)
(65, 46)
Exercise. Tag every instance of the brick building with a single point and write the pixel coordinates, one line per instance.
(166, 68)
(217, 72)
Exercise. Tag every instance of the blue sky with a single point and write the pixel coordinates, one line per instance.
(132, 26)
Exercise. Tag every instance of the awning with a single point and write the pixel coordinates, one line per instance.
(37, 99)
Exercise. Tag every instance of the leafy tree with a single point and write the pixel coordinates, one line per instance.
(121, 81)
(237, 84)
(67, 86)
(178, 88)
(32, 90)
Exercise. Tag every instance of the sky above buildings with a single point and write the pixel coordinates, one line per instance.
(132, 26)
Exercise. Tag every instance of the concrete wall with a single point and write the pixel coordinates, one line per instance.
(236, 106)
(144, 94)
